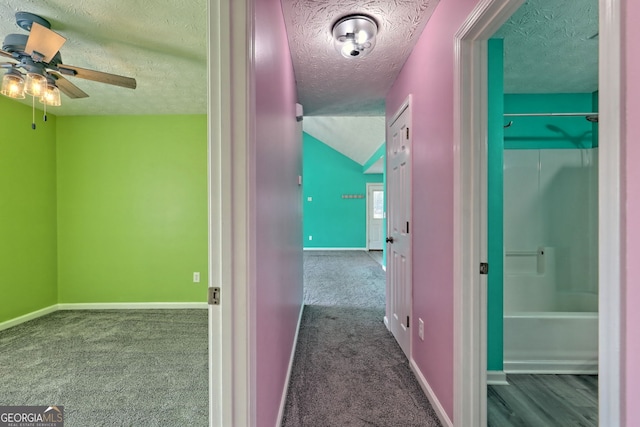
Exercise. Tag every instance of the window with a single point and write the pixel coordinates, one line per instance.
(378, 204)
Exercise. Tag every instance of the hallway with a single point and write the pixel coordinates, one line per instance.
(348, 369)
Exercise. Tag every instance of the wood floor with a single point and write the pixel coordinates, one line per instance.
(544, 401)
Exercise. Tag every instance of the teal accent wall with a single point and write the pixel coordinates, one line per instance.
(132, 208)
(333, 222)
(495, 207)
(28, 259)
(594, 126)
(549, 132)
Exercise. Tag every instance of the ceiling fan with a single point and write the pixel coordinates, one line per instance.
(38, 54)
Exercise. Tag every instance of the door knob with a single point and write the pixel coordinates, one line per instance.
(389, 239)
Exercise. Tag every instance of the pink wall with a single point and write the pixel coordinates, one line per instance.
(428, 75)
(631, 215)
(278, 162)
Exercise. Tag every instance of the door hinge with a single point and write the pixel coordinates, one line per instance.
(407, 227)
(214, 296)
(484, 268)
(407, 133)
(407, 321)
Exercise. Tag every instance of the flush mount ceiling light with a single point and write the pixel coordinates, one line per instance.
(354, 36)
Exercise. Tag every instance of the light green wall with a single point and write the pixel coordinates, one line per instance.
(495, 203)
(549, 132)
(333, 222)
(132, 208)
(27, 211)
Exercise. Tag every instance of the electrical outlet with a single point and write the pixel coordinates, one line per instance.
(310, 237)
(196, 277)
(421, 329)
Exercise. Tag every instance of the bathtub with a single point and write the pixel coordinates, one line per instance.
(551, 342)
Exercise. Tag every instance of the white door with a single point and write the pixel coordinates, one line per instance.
(398, 227)
(375, 216)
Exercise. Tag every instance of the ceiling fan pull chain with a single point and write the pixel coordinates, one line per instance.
(33, 112)
(44, 118)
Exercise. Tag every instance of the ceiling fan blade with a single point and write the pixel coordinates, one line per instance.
(97, 76)
(43, 43)
(7, 54)
(68, 88)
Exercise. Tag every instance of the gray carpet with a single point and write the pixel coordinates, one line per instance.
(110, 368)
(348, 369)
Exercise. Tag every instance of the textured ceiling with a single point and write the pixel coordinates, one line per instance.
(331, 85)
(355, 137)
(162, 44)
(548, 47)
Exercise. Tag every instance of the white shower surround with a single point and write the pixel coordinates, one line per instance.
(550, 302)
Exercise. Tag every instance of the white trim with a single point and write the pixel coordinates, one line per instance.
(610, 202)
(335, 249)
(386, 323)
(433, 399)
(470, 133)
(27, 317)
(231, 108)
(133, 306)
(220, 327)
(283, 401)
(406, 104)
(558, 367)
(103, 306)
(497, 378)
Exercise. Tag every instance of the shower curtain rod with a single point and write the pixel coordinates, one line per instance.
(592, 117)
(550, 114)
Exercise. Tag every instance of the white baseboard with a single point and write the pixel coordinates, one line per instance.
(133, 305)
(29, 316)
(335, 249)
(384, 267)
(386, 323)
(558, 367)
(497, 378)
(102, 306)
(433, 399)
(283, 400)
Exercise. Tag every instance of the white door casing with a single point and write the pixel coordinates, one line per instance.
(470, 225)
(399, 273)
(375, 216)
(231, 233)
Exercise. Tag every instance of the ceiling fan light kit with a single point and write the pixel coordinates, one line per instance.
(354, 36)
(13, 84)
(51, 96)
(35, 84)
(38, 54)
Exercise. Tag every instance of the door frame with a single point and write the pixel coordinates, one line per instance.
(231, 107)
(368, 187)
(470, 134)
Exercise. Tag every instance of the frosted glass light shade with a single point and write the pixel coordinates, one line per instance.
(13, 85)
(51, 96)
(35, 84)
(355, 35)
